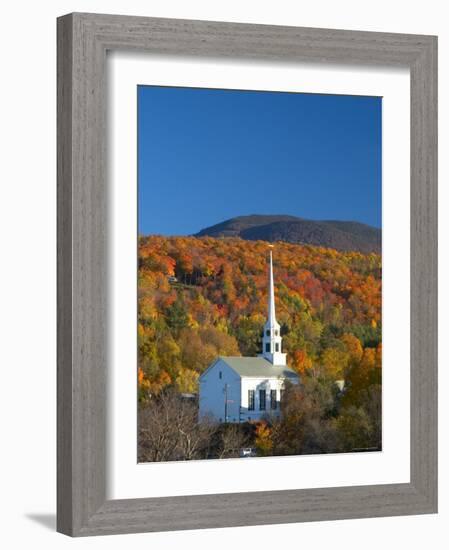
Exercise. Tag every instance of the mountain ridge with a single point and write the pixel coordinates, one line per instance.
(340, 235)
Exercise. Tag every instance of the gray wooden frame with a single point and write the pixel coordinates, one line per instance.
(83, 40)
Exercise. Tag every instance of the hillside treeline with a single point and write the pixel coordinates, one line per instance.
(203, 297)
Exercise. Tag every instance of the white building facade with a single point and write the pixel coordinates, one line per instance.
(244, 389)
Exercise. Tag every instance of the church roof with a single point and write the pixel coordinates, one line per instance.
(258, 367)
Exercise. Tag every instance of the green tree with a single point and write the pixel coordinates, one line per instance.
(248, 333)
(177, 315)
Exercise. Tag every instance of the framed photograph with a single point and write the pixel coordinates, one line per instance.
(247, 274)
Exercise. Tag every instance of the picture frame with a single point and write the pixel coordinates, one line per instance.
(83, 40)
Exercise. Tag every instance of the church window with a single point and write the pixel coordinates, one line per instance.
(250, 400)
(268, 333)
(276, 333)
(267, 347)
(262, 400)
(220, 375)
(273, 399)
(277, 346)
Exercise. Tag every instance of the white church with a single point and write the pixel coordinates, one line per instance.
(244, 389)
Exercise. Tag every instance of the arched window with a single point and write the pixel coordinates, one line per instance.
(268, 333)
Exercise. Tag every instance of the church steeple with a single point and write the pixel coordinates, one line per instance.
(271, 305)
(272, 340)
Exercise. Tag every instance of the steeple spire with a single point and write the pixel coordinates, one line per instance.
(272, 340)
(271, 306)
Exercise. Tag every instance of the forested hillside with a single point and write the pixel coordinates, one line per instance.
(203, 297)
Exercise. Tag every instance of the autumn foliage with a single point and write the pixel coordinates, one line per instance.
(203, 297)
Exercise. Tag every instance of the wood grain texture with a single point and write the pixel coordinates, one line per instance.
(83, 40)
(64, 277)
(424, 252)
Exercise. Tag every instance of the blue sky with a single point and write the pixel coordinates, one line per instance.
(208, 155)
